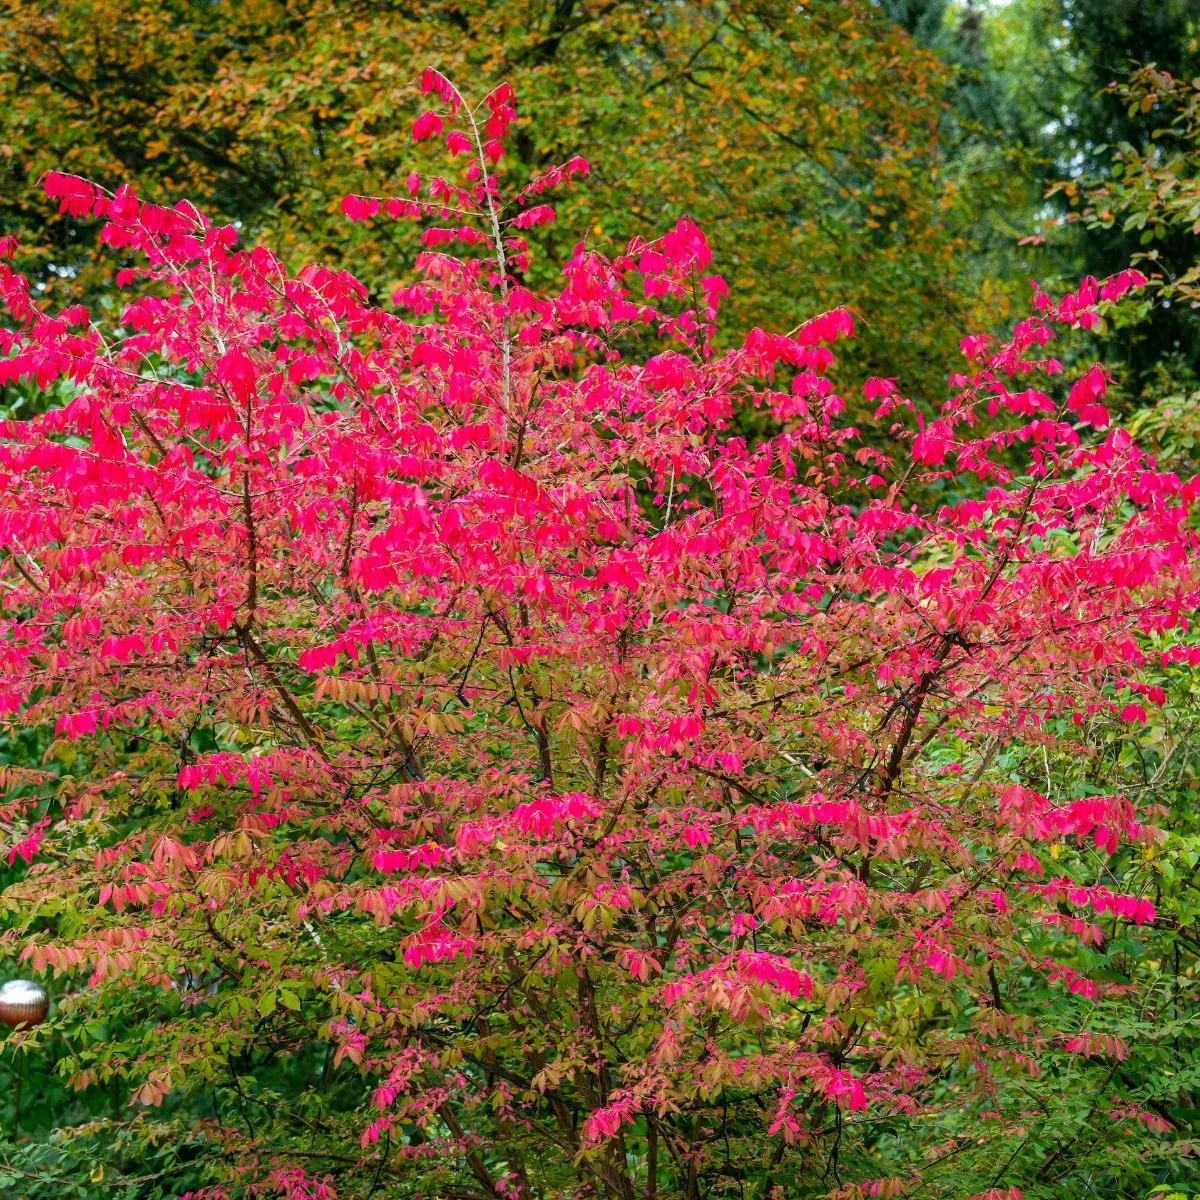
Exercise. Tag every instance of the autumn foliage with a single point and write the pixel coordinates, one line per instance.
(439, 696)
(763, 120)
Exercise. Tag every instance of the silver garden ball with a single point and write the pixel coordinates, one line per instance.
(23, 1002)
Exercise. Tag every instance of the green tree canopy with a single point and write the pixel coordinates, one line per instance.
(805, 141)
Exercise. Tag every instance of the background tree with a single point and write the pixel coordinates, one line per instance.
(1051, 70)
(805, 139)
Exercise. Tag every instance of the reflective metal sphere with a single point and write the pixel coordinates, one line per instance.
(23, 1002)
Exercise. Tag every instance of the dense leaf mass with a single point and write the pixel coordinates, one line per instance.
(440, 700)
(763, 121)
